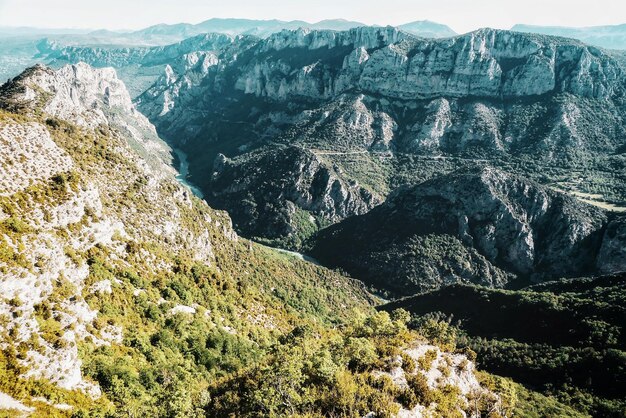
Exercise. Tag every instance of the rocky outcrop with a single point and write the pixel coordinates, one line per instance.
(76, 93)
(437, 369)
(271, 194)
(481, 225)
(89, 98)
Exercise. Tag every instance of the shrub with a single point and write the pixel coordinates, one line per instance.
(425, 362)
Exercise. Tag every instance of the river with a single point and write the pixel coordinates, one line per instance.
(299, 256)
(183, 173)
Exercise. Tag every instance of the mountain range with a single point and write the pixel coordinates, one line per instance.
(22, 46)
(610, 37)
(162, 34)
(20, 43)
(332, 220)
(330, 123)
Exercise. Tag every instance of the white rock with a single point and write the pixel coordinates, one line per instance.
(9, 403)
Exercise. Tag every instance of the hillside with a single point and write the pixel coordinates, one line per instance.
(123, 294)
(478, 225)
(564, 337)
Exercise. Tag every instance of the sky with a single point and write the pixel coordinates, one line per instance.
(460, 15)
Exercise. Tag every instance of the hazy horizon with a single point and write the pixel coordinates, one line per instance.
(459, 15)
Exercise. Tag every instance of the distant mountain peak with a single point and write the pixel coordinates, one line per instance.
(610, 36)
(428, 29)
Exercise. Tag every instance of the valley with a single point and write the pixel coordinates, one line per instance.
(280, 218)
(183, 173)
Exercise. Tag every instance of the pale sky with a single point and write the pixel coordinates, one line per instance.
(460, 15)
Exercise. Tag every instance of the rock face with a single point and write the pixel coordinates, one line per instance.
(253, 192)
(65, 177)
(487, 63)
(444, 369)
(612, 256)
(88, 98)
(481, 225)
(488, 94)
(492, 68)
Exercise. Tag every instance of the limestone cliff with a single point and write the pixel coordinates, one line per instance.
(481, 225)
(488, 95)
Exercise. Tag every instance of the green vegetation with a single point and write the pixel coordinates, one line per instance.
(11, 382)
(565, 338)
(312, 372)
(237, 308)
(248, 331)
(316, 372)
(305, 225)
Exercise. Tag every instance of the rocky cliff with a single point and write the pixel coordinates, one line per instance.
(482, 226)
(271, 203)
(486, 63)
(68, 179)
(489, 94)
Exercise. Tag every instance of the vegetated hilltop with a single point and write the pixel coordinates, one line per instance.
(564, 337)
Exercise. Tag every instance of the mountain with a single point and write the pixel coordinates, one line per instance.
(428, 29)
(610, 37)
(162, 34)
(268, 176)
(96, 47)
(564, 337)
(20, 44)
(260, 28)
(335, 24)
(478, 225)
(122, 293)
(141, 67)
(378, 108)
(493, 158)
